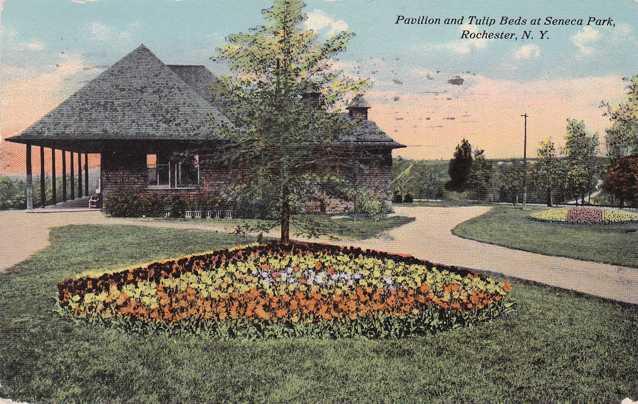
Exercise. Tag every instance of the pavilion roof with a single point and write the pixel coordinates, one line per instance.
(138, 98)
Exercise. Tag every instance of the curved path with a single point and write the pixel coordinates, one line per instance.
(429, 237)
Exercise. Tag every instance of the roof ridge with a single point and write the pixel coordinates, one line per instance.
(139, 96)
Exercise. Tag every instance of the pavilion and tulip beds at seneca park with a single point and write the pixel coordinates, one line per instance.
(159, 309)
(156, 128)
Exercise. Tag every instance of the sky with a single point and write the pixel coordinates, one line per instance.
(430, 87)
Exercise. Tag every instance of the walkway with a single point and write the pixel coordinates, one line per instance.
(429, 237)
(25, 233)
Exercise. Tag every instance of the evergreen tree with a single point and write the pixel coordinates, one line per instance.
(282, 99)
(460, 167)
(546, 171)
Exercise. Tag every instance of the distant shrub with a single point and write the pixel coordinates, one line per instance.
(408, 198)
(12, 194)
(397, 198)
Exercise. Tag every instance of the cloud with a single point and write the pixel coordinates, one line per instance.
(27, 94)
(99, 31)
(9, 38)
(319, 21)
(584, 39)
(526, 52)
(462, 46)
(83, 1)
(35, 45)
(105, 33)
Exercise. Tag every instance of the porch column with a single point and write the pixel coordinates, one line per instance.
(63, 175)
(80, 189)
(86, 174)
(72, 176)
(29, 189)
(54, 184)
(43, 191)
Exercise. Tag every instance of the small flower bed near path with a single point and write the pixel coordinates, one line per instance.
(296, 290)
(585, 215)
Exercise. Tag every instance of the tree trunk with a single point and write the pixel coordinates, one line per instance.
(285, 220)
(549, 197)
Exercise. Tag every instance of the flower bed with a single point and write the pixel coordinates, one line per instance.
(585, 215)
(296, 290)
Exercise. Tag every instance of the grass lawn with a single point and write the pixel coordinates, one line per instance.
(558, 346)
(512, 228)
(343, 227)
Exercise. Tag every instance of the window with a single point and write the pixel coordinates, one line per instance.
(176, 172)
(187, 171)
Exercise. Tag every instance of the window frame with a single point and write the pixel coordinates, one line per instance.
(174, 171)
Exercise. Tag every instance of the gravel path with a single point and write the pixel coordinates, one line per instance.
(429, 237)
(23, 233)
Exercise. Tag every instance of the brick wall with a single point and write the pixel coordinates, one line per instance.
(375, 173)
(122, 170)
(126, 170)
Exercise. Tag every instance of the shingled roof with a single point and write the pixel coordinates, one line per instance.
(198, 77)
(368, 133)
(141, 98)
(138, 98)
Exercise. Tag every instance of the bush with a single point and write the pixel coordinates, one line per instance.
(295, 290)
(123, 204)
(622, 180)
(12, 194)
(408, 198)
(368, 203)
(397, 198)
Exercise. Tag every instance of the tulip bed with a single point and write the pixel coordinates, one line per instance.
(585, 215)
(297, 290)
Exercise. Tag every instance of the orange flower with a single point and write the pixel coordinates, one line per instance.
(233, 310)
(507, 286)
(261, 314)
(121, 299)
(250, 310)
(424, 287)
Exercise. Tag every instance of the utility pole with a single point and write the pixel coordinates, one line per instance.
(525, 160)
